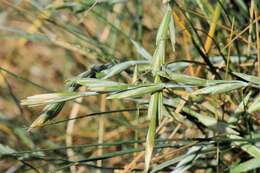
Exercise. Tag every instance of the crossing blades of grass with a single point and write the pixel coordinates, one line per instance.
(223, 127)
(255, 106)
(243, 105)
(105, 31)
(57, 101)
(191, 155)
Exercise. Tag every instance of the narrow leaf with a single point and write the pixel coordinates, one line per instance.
(4, 150)
(41, 99)
(246, 166)
(182, 78)
(99, 84)
(162, 32)
(242, 105)
(166, 164)
(249, 78)
(172, 33)
(223, 127)
(188, 161)
(137, 91)
(221, 88)
(118, 68)
(158, 57)
(176, 66)
(153, 115)
(142, 51)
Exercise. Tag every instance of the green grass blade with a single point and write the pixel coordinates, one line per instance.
(162, 31)
(172, 33)
(182, 78)
(188, 160)
(99, 84)
(221, 88)
(5, 150)
(242, 106)
(150, 138)
(158, 57)
(118, 68)
(137, 91)
(41, 99)
(249, 78)
(255, 106)
(142, 51)
(246, 166)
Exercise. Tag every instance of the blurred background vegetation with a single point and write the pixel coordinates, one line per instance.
(45, 42)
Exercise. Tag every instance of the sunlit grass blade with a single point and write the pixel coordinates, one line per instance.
(191, 155)
(4, 150)
(203, 6)
(255, 106)
(223, 127)
(213, 25)
(18, 34)
(41, 99)
(156, 100)
(163, 95)
(56, 101)
(137, 91)
(233, 59)
(153, 111)
(251, 149)
(160, 107)
(135, 75)
(39, 121)
(176, 66)
(158, 58)
(172, 33)
(118, 68)
(167, 163)
(159, 54)
(162, 31)
(182, 78)
(221, 88)
(99, 84)
(142, 51)
(242, 106)
(246, 166)
(249, 78)
(24, 137)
